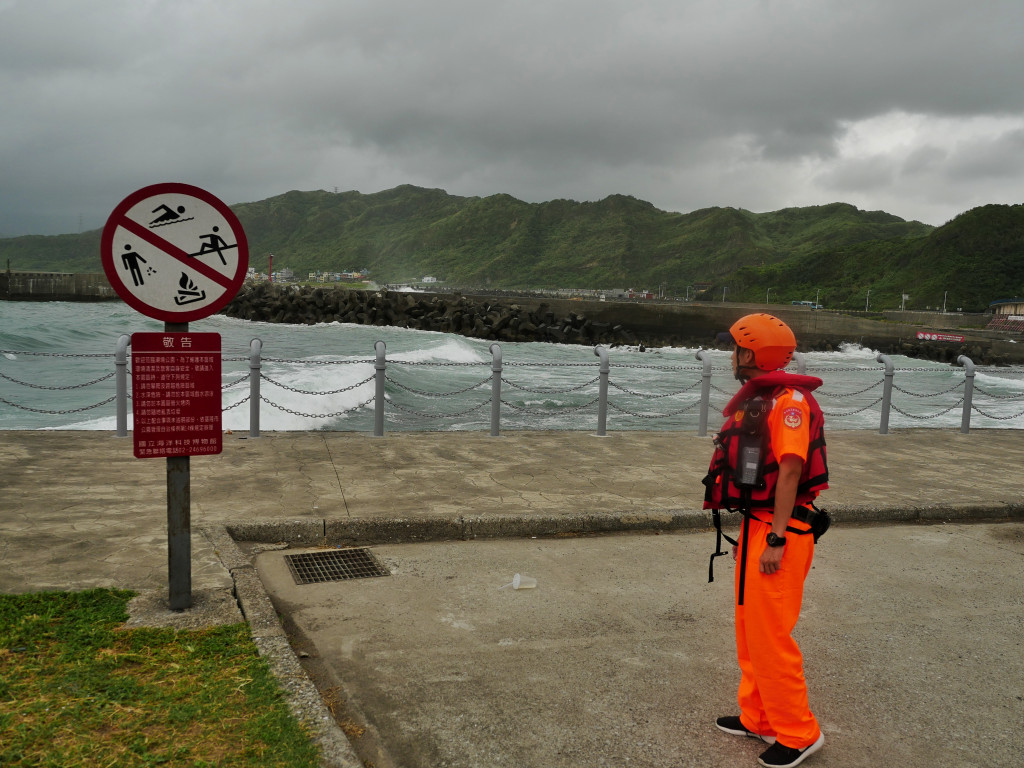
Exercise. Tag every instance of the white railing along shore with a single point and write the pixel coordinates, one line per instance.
(392, 383)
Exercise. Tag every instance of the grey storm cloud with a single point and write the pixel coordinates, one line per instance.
(910, 106)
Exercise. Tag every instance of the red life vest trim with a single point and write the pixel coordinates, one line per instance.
(720, 490)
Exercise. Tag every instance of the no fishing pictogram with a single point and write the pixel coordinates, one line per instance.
(174, 252)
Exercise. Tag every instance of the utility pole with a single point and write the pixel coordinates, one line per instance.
(867, 301)
(944, 294)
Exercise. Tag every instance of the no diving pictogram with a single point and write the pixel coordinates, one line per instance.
(174, 252)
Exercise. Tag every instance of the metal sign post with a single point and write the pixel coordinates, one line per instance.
(175, 253)
(179, 520)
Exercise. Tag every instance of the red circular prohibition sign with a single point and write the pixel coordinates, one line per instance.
(224, 285)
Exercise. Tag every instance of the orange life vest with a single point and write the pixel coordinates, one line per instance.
(721, 489)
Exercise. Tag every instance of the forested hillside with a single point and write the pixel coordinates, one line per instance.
(836, 252)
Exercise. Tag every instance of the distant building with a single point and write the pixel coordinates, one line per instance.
(1007, 307)
(252, 276)
(1007, 316)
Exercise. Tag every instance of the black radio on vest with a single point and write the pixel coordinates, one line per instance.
(751, 449)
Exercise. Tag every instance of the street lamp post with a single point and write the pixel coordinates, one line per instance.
(724, 289)
(867, 301)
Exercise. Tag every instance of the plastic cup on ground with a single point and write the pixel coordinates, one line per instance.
(523, 582)
(520, 582)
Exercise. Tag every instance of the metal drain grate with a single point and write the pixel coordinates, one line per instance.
(334, 565)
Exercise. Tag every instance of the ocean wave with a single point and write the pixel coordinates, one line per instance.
(450, 350)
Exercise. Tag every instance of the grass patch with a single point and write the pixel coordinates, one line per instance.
(77, 689)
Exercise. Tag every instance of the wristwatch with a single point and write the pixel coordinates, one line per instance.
(775, 541)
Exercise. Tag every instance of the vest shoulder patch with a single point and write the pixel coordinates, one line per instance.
(792, 418)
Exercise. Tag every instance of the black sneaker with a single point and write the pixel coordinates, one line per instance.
(781, 756)
(733, 725)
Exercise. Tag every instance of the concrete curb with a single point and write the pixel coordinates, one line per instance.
(1006, 510)
(365, 532)
(270, 639)
(357, 531)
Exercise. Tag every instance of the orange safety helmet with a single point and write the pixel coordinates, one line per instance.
(770, 339)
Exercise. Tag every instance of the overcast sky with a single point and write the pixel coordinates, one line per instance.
(914, 107)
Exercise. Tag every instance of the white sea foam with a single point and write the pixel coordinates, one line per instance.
(449, 350)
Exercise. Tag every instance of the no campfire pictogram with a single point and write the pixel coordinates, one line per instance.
(174, 252)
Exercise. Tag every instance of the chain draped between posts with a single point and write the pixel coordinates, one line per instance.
(396, 386)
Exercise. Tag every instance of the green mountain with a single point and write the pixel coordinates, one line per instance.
(834, 252)
(975, 259)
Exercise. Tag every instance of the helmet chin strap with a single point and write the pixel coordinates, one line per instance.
(742, 377)
(739, 374)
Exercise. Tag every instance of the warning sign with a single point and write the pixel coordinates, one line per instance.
(174, 252)
(932, 336)
(176, 399)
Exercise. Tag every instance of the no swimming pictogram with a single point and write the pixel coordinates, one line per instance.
(174, 252)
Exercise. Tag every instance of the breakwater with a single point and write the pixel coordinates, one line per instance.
(55, 286)
(476, 317)
(612, 323)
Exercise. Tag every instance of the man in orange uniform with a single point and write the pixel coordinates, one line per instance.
(775, 416)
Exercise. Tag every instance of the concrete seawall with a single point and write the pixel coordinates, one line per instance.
(55, 286)
(697, 323)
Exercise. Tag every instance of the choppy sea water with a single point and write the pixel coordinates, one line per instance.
(57, 361)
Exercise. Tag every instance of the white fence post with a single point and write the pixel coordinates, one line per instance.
(965, 419)
(705, 393)
(602, 393)
(883, 427)
(495, 390)
(378, 400)
(255, 366)
(121, 383)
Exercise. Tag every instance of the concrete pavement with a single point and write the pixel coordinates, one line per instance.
(622, 653)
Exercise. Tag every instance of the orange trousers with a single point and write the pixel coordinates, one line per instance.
(773, 693)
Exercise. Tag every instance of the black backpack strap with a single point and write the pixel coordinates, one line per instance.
(743, 558)
(744, 537)
(716, 517)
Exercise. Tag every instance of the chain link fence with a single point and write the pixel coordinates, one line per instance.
(417, 395)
